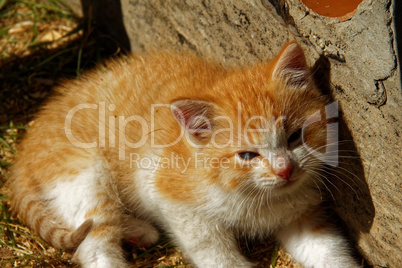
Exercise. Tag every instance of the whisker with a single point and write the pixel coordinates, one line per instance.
(338, 168)
(318, 176)
(325, 171)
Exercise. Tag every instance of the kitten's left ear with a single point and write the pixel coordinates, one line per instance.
(194, 116)
(291, 66)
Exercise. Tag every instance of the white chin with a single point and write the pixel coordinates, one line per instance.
(269, 182)
(277, 184)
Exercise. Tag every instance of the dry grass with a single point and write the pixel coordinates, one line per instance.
(42, 41)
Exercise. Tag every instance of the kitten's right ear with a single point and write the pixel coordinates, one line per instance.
(291, 66)
(194, 116)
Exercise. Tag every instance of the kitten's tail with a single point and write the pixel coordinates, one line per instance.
(38, 217)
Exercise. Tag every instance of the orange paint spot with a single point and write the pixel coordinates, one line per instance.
(341, 9)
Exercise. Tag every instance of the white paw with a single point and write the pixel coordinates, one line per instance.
(139, 232)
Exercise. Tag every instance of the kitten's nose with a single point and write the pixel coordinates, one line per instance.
(285, 172)
(283, 166)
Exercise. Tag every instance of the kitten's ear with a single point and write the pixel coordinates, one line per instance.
(291, 66)
(194, 116)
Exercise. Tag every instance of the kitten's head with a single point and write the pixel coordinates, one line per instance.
(262, 127)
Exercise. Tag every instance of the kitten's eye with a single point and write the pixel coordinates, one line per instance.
(248, 155)
(295, 139)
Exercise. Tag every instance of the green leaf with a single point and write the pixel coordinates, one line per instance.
(4, 164)
(5, 144)
(4, 31)
(13, 127)
(2, 3)
(274, 255)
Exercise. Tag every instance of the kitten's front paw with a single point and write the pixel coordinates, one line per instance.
(140, 233)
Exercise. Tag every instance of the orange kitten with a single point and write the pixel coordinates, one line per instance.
(203, 152)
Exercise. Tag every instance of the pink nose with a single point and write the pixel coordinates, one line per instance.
(282, 166)
(285, 172)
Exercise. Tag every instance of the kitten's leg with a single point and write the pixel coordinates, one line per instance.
(207, 243)
(102, 246)
(90, 194)
(315, 243)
